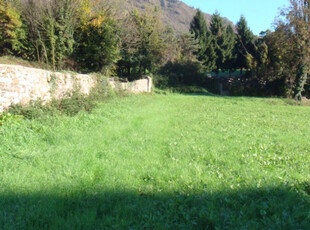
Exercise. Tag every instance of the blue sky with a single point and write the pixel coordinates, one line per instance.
(260, 14)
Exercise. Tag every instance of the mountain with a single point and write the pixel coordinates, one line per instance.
(174, 12)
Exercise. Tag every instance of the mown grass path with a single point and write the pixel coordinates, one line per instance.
(160, 162)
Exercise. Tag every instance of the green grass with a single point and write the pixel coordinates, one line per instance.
(159, 162)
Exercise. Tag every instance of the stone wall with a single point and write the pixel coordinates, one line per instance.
(138, 86)
(20, 85)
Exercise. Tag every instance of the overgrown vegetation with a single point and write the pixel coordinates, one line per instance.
(159, 162)
(69, 105)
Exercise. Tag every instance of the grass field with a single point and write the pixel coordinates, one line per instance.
(159, 162)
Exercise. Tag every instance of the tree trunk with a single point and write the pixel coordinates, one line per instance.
(301, 80)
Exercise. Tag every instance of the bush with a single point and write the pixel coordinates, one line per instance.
(161, 82)
(183, 73)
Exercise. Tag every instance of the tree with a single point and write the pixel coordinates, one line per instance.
(206, 53)
(230, 62)
(289, 50)
(97, 39)
(245, 40)
(51, 26)
(298, 16)
(145, 42)
(188, 47)
(12, 31)
(224, 41)
(275, 64)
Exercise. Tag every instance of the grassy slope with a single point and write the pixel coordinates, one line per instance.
(159, 162)
(11, 60)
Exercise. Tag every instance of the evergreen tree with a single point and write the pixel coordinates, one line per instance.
(188, 46)
(210, 53)
(199, 29)
(223, 41)
(144, 44)
(206, 53)
(245, 40)
(257, 60)
(231, 57)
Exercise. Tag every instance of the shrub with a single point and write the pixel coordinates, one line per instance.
(9, 118)
(183, 72)
(161, 82)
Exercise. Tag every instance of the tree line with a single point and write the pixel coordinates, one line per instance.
(276, 63)
(92, 36)
(86, 36)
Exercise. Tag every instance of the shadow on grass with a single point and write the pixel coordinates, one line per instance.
(274, 208)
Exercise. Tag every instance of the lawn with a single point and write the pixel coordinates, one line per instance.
(159, 162)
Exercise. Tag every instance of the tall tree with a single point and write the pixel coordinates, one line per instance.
(188, 46)
(258, 59)
(223, 40)
(299, 22)
(230, 62)
(206, 53)
(280, 67)
(144, 43)
(289, 49)
(245, 41)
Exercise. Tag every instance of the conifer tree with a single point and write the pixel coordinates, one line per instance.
(188, 46)
(245, 40)
(144, 41)
(198, 28)
(206, 53)
(223, 41)
(230, 61)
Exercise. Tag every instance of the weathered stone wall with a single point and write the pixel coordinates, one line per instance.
(138, 86)
(20, 85)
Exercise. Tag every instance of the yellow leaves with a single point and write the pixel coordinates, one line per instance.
(85, 11)
(14, 17)
(250, 61)
(10, 22)
(97, 21)
(90, 15)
